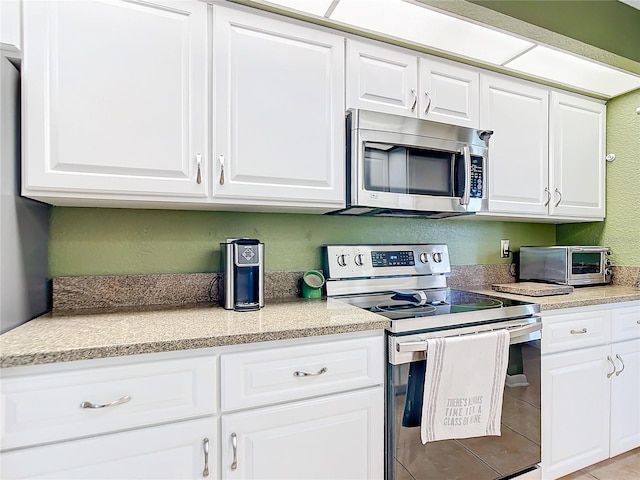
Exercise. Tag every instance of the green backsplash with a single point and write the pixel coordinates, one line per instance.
(621, 228)
(97, 241)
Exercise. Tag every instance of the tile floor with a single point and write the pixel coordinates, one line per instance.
(622, 467)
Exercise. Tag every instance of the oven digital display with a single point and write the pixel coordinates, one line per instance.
(393, 259)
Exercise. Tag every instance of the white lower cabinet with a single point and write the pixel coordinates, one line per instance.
(575, 410)
(305, 412)
(174, 451)
(335, 437)
(625, 397)
(590, 386)
(293, 409)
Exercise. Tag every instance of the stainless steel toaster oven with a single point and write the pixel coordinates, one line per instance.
(569, 265)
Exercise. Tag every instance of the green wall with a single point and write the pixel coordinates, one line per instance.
(607, 24)
(95, 241)
(621, 228)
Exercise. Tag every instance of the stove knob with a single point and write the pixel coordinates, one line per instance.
(607, 262)
(424, 257)
(342, 260)
(359, 260)
(437, 257)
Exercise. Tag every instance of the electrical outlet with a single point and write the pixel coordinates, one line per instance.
(504, 249)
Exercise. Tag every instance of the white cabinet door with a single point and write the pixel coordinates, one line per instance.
(517, 112)
(625, 397)
(11, 23)
(449, 93)
(174, 451)
(279, 114)
(335, 437)
(577, 136)
(114, 99)
(381, 78)
(575, 406)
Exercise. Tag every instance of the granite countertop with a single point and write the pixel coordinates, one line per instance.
(580, 297)
(52, 338)
(61, 338)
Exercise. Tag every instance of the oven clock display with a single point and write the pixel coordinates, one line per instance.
(393, 259)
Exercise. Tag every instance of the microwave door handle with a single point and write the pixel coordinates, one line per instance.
(466, 194)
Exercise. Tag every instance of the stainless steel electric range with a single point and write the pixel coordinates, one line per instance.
(408, 285)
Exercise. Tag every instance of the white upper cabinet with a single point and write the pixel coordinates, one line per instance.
(381, 78)
(388, 79)
(11, 24)
(546, 156)
(279, 112)
(577, 136)
(518, 113)
(115, 100)
(449, 93)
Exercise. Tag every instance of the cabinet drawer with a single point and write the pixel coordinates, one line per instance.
(38, 409)
(277, 375)
(625, 323)
(173, 451)
(575, 330)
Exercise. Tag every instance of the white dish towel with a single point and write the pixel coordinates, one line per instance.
(464, 384)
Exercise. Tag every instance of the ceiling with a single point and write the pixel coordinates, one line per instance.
(611, 25)
(509, 42)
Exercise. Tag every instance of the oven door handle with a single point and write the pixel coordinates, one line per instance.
(421, 345)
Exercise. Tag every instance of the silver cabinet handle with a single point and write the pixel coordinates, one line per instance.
(221, 160)
(305, 374)
(578, 332)
(119, 401)
(426, 110)
(546, 189)
(415, 99)
(198, 175)
(234, 446)
(612, 364)
(205, 446)
(559, 199)
(466, 194)
(622, 369)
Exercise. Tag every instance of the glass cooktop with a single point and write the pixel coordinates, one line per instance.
(432, 309)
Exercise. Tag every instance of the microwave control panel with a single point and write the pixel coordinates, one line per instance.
(477, 175)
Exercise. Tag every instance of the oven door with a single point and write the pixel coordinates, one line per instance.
(517, 450)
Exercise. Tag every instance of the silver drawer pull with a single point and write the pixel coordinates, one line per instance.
(119, 401)
(578, 332)
(613, 365)
(234, 446)
(199, 175)
(205, 446)
(618, 372)
(305, 374)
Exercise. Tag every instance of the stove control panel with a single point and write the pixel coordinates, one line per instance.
(366, 261)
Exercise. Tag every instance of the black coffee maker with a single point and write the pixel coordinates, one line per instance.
(243, 267)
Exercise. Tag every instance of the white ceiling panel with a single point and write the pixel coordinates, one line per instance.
(432, 29)
(545, 62)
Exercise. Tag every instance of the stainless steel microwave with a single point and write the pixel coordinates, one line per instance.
(402, 166)
(580, 265)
